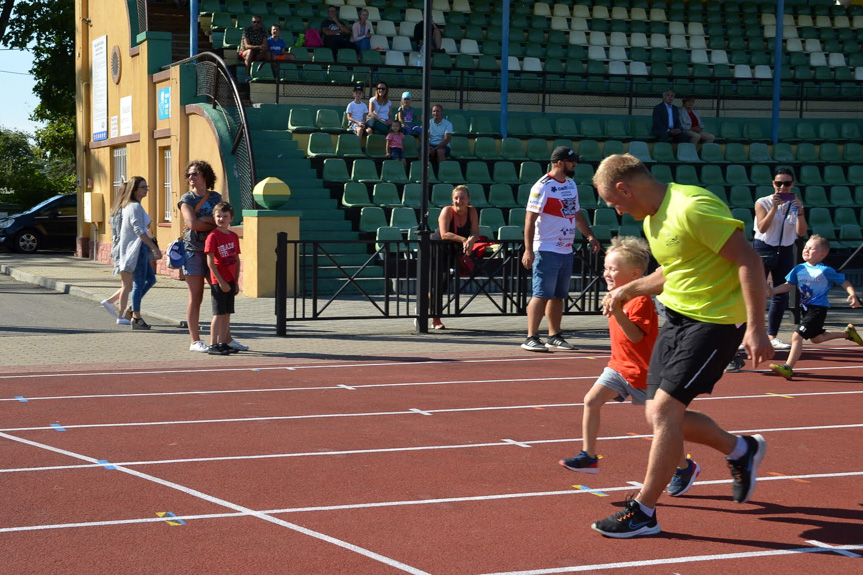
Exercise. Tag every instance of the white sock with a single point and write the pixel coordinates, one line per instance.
(646, 510)
(740, 449)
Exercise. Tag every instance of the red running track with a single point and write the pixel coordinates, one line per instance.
(438, 467)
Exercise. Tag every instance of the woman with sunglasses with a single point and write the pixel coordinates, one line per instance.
(196, 206)
(779, 221)
(379, 118)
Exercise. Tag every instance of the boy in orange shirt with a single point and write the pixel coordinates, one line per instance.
(632, 328)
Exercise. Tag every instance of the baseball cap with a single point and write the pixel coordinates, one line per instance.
(358, 87)
(406, 96)
(564, 153)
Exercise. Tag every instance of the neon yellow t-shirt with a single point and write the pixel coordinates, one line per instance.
(685, 236)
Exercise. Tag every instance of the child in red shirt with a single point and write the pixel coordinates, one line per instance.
(223, 249)
(632, 328)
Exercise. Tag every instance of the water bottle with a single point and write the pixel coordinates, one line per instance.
(792, 214)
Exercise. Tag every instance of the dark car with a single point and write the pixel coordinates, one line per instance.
(51, 224)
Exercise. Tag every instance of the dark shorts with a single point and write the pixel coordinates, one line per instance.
(196, 264)
(812, 321)
(397, 153)
(690, 356)
(223, 302)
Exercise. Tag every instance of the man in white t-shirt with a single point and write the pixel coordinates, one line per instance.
(549, 229)
(440, 134)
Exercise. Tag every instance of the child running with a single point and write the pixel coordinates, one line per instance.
(814, 280)
(633, 328)
(223, 250)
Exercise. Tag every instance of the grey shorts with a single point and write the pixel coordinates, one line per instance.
(196, 264)
(616, 382)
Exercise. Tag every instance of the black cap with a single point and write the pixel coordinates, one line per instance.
(358, 87)
(564, 153)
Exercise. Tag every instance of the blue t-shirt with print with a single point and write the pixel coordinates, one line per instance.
(814, 283)
(194, 241)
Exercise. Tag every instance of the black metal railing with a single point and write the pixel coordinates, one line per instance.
(384, 284)
(216, 83)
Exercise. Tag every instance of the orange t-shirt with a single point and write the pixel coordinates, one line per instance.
(631, 359)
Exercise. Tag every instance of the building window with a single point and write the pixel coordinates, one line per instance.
(119, 169)
(166, 183)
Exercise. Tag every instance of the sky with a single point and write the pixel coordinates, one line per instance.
(19, 101)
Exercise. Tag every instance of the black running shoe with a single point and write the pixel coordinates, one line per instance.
(683, 479)
(744, 470)
(581, 462)
(534, 344)
(736, 365)
(630, 521)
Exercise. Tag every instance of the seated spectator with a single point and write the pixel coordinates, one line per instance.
(278, 49)
(419, 33)
(361, 32)
(379, 118)
(254, 46)
(690, 123)
(356, 113)
(334, 32)
(406, 116)
(440, 134)
(666, 120)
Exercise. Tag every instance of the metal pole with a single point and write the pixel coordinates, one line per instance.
(423, 231)
(777, 70)
(504, 69)
(193, 28)
(281, 283)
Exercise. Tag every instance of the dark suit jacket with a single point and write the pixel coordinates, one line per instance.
(660, 120)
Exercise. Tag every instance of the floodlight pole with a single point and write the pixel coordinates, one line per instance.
(424, 232)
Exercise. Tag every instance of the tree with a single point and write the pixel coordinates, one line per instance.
(24, 176)
(47, 29)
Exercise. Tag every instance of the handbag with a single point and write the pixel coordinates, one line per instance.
(176, 254)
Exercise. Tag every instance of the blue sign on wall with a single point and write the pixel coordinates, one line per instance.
(164, 106)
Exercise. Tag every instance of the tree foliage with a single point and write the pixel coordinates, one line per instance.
(26, 176)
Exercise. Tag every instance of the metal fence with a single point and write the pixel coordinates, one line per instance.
(386, 281)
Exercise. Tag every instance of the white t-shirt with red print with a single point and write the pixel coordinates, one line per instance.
(556, 203)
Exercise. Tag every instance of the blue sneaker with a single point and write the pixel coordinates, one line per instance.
(581, 462)
(683, 479)
(630, 521)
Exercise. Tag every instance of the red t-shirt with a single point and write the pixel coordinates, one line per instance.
(631, 359)
(226, 248)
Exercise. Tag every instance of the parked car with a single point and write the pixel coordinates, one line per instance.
(51, 224)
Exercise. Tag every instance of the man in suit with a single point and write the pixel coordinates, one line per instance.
(666, 120)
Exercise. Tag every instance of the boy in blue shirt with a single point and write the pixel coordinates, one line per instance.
(814, 281)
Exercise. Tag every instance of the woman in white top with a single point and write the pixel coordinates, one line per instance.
(136, 245)
(379, 119)
(361, 32)
(779, 221)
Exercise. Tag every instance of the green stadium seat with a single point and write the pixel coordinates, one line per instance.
(415, 174)
(606, 217)
(385, 238)
(504, 172)
(807, 153)
(730, 130)
(459, 147)
(852, 152)
(819, 217)
(450, 172)
(476, 172)
(348, 146)
(300, 121)
(355, 195)
(482, 126)
(583, 174)
(662, 172)
(850, 132)
(834, 176)
(530, 172)
(365, 172)
(762, 174)
(403, 218)
(500, 196)
(845, 216)
(612, 147)
(524, 194)
(759, 153)
(712, 153)
(851, 236)
(372, 218)
(587, 198)
(537, 150)
(492, 217)
(540, 126)
(433, 216)
(741, 197)
(735, 175)
(376, 146)
(510, 233)
(459, 124)
(687, 152)
(441, 195)
(485, 148)
(806, 132)
(412, 195)
(512, 149)
(566, 127)
(639, 129)
(735, 153)
(664, 153)
(615, 129)
(329, 121)
(517, 126)
(410, 147)
(589, 151)
(320, 145)
(640, 150)
(592, 128)
(810, 176)
(335, 170)
(815, 197)
(855, 175)
(745, 216)
(516, 217)
(783, 153)
(477, 196)
(685, 174)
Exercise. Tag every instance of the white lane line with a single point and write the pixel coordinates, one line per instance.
(303, 367)
(410, 503)
(282, 389)
(668, 560)
(840, 549)
(514, 442)
(239, 508)
(397, 449)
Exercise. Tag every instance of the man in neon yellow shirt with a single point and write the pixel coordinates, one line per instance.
(712, 283)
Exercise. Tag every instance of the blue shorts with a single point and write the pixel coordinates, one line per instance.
(551, 275)
(397, 154)
(196, 264)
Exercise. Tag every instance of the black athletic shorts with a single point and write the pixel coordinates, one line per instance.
(223, 301)
(690, 356)
(812, 321)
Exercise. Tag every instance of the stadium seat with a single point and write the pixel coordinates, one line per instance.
(412, 195)
(485, 148)
(403, 218)
(372, 218)
(476, 172)
(641, 151)
(512, 149)
(441, 195)
(348, 146)
(530, 172)
(687, 152)
(450, 172)
(335, 170)
(810, 176)
(740, 197)
(376, 146)
(300, 120)
(329, 121)
(500, 196)
(504, 172)
(355, 195)
(493, 218)
(815, 197)
(735, 174)
(320, 145)
(459, 147)
(364, 171)
(393, 171)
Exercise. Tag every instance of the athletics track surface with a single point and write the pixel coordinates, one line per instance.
(439, 467)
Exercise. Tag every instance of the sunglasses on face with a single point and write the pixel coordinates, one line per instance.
(192, 175)
(783, 183)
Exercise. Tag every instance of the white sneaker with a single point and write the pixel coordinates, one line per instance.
(123, 321)
(109, 307)
(234, 344)
(199, 346)
(779, 344)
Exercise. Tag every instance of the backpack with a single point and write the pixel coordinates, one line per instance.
(313, 38)
(176, 254)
